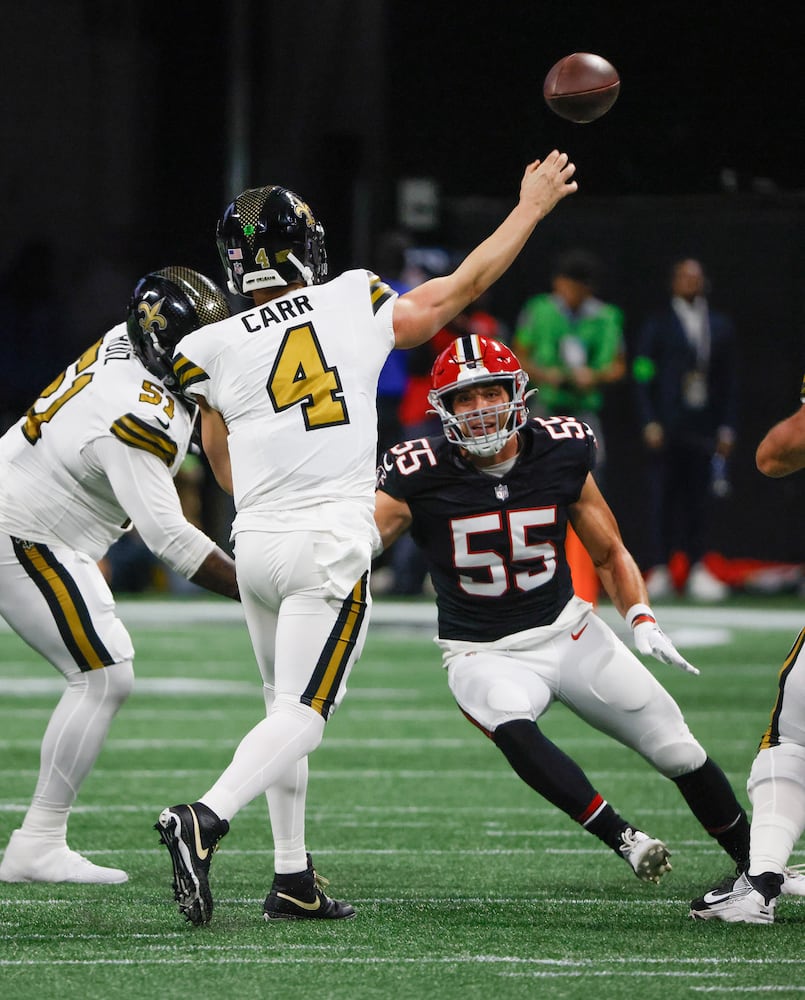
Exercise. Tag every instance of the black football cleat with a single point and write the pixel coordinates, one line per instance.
(300, 896)
(191, 834)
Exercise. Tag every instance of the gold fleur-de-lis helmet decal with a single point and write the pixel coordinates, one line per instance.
(302, 210)
(151, 317)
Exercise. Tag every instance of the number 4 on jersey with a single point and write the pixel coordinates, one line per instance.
(301, 376)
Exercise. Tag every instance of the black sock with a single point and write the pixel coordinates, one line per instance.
(712, 801)
(558, 778)
(608, 826)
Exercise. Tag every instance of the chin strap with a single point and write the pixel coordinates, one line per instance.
(306, 272)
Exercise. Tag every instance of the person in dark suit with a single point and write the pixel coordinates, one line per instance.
(686, 386)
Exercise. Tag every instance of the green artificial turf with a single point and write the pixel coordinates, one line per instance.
(465, 882)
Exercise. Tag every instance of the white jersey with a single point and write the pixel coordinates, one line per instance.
(295, 380)
(53, 489)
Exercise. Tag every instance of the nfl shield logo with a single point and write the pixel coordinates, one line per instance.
(502, 492)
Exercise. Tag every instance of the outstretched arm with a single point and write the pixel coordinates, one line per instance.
(782, 450)
(426, 309)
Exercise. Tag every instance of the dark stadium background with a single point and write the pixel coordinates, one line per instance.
(127, 126)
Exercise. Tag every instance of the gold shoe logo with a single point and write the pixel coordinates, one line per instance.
(202, 852)
(300, 902)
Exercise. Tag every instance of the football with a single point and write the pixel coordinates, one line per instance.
(581, 87)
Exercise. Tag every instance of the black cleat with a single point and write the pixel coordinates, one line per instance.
(300, 896)
(191, 834)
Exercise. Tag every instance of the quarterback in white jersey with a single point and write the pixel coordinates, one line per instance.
(93, 455)
(295, 381)
(287, 392)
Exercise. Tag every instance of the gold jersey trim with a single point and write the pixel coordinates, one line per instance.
(63, 596)
(136, 433)
(321, 692)
(187, 372)
(379, 291)
(771, 738)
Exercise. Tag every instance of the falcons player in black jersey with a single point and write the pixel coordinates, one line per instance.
(489, 504)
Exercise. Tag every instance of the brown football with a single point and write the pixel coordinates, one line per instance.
(581, 87)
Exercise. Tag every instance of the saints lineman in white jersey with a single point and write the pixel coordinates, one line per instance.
(95, 453)
(287, 392)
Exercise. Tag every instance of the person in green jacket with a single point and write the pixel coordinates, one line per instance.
(571, 344)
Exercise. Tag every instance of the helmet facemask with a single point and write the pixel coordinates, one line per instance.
(485, 430)
(470, 362)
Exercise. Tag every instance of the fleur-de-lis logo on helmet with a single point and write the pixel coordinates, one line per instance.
(302, 210)
(151, 317)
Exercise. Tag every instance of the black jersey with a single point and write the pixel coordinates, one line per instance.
(495, 547)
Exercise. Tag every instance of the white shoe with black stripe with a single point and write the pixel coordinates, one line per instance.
(741, 900)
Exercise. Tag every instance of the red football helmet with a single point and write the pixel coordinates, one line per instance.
(470, 361)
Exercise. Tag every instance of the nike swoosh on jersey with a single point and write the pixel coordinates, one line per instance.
(577, 635)
(300, 902)
(202, 852)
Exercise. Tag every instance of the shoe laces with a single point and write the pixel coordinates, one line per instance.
(320, 881)
(727, 883)
(794, 871)
(629, 840)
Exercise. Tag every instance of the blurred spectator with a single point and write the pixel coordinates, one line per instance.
(571, 345)
(391, 263)
(685, 373)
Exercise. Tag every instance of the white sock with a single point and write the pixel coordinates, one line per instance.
(776, 789)
(286, 808)
(290, 732)
(73, 739)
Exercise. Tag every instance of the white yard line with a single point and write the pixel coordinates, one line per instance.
(171, 614)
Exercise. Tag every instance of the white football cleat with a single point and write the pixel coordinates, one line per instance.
(647, 856)
(739, 900)
(793, 881)
(36, 859)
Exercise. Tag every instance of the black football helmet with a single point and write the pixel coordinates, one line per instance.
(167, 305)
(268, 238)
